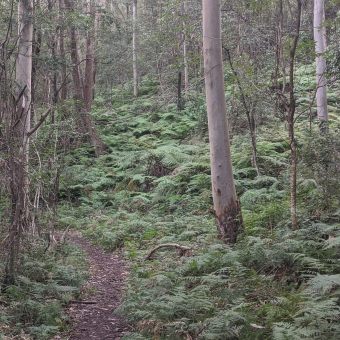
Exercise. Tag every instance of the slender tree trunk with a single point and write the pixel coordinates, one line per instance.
(252, 128)
(226, 204)
(83, 104)
(134, 48)
(36, 47)
(97, 17)
(320, 49)
(63, 90)
(54, 76)
(89, 65)
(76, 76)
(250, 113)
(19, 140)
(96, 142)
(185, 48)
(291, 120)
(289, 105)
(278, 52)
(78, 86)
(179, 92)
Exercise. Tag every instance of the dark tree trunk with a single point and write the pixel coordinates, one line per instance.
(63, 90)
(83, 104)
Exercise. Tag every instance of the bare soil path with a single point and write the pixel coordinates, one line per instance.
(93, 316)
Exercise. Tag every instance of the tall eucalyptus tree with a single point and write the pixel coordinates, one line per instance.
(321, 66)
(226, 204)
(18, 137)
(134, 48)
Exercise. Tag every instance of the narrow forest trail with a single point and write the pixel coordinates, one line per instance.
(95, 318)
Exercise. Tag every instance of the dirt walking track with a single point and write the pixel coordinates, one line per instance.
(93, 317)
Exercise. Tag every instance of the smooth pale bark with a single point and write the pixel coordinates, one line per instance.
(320, 50)
(226, 204)
(19, 138)
(24, 80)
(134, 48)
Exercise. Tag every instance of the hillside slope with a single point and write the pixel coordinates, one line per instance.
(153, 187)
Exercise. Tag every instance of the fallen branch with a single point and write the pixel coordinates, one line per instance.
(183, 249)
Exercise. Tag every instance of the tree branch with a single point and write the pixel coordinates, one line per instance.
(42, 119)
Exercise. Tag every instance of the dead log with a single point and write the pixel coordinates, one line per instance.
(182, 249)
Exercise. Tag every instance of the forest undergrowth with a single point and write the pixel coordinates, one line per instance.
(153, 187)
(33, 308)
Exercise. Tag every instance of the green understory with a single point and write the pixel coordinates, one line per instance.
(153, 187)
(33, 308)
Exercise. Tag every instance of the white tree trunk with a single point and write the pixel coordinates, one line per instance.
(226, 204)
(23, 78)
(320, 49)
(134, 48)
(19, 138)
(23, 74)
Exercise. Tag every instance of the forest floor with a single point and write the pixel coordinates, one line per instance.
(92, 316)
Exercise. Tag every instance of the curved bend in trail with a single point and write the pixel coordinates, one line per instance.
(96, 319)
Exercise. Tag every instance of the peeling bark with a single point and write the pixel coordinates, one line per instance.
(230, 222)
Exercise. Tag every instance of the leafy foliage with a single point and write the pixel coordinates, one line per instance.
(47, 282)
(154, 187)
